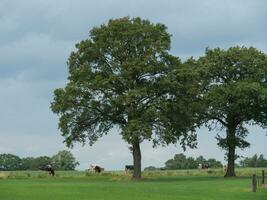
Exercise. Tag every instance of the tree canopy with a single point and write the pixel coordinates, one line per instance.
(9, 162)
(123, 76)
(180, 161)
(235, 95)
(254, 161)
(64, 160)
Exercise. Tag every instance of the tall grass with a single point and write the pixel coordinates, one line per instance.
(243, 172)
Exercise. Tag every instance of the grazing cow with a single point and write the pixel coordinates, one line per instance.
(47, 168)
(199, 166)
(129, 168)
(225, 167)
(206, 166)
(96, 168)
(203, 166)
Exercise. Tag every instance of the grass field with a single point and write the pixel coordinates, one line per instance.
(178, 185)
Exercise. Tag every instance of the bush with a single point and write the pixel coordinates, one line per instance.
(150, 168)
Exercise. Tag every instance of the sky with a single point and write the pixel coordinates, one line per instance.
(37, 37)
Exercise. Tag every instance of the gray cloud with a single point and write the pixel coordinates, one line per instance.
(37, 36)
(42, 33)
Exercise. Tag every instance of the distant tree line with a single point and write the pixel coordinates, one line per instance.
(254, 161)
(180, 161)
(63, 160)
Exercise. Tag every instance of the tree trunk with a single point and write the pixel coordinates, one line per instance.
(231, 163)
(136, 160)
(231, 143)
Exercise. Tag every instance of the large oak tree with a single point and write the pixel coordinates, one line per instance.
(123, 76)
(235, 95)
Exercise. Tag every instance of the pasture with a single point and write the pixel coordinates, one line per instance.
(156, 185)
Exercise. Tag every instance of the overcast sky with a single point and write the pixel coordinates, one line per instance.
(37, 36)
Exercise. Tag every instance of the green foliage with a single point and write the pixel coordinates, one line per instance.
(254, 161)
(213, 163)
(112, 80)
(180, 161)
(13, 162)
(27, 163)
(123, 76)
(64, 160)
(234, 92)
(41, 161)
(9, 162)
(150, 168)
(119, 77)
(261, 162)
(201, 160)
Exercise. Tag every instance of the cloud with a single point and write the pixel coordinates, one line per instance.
(42, 33)
(37, 37)
(25, 106)
(38, 56)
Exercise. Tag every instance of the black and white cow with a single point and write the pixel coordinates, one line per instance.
(96, 168)
(47, 168)
(129, 168)
(203, 166)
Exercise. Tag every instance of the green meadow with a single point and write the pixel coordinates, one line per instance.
(155, 185)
